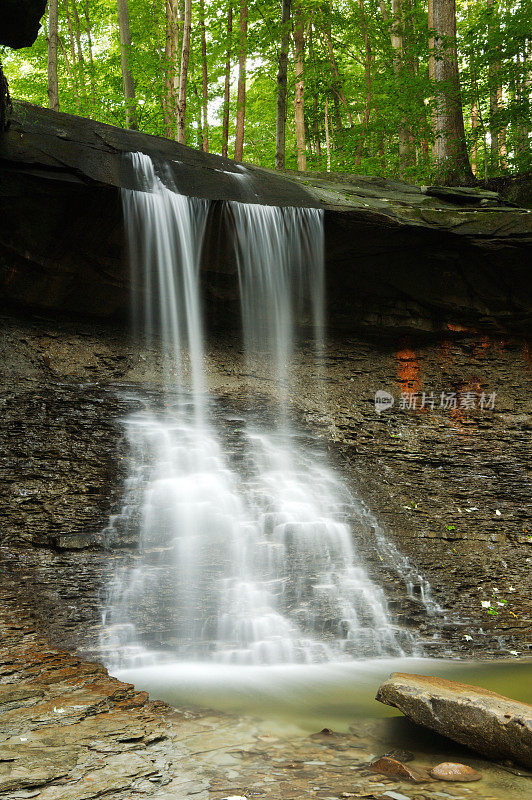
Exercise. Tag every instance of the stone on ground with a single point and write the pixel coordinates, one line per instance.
(395, 769)
(489, 723)
(448, 771)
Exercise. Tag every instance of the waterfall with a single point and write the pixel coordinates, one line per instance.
(245, 552)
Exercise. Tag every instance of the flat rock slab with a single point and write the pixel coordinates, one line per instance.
(487, 722)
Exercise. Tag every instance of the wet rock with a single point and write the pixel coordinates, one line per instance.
(20, 21)
(494, 725)
(448, 771)
(394, 795)
(396, 769)
(400, 755)
(410, 250)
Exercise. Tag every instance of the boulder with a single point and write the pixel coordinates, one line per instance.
(489, 723)
(20, 21)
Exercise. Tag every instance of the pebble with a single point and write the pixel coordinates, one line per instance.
(390, 766)
(448, 771)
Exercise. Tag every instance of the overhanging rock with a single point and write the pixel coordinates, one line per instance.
(399, 258)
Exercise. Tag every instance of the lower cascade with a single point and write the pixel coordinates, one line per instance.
(245, 538)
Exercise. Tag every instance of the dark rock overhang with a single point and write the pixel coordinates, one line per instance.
(399, 257)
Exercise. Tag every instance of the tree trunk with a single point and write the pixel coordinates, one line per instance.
(241, 94)
(452, 158)
(299, 101)
(411, 62)
(432, 70)
(53, 41)
(382, 155)
(74, 70)
(523, 89)
(327, 135)
(336, 86)
(494, 115)
(81, 59)
(503, 151)
(474, 144)
(227, 87)
(204, 83)
(5, 102)
(367, 73)
(280, 128)
(316, 127)
(183, 74)
(396, 37)
(127, 77)
(92, 77)
(171, 78)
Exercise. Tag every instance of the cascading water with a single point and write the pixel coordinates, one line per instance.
(246, 560)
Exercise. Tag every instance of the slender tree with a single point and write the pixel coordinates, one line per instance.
(53, 41)
(299, 99)
(171, 74)
(493, 80)
(451, 151)
(432, 65)
(327, 135)
(73, 69)
(92, 77)
(368, 61)
(183, 74)
(205, 79)
(474, 143)
(336, 82)
(125, 53)
(227, 82)
(241, 94)
(396, 38)
(280, 127)
(79, 50)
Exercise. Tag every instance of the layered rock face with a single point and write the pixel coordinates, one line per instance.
(428, 291)
(399, 257)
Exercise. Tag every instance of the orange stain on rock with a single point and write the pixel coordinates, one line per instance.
(408, 371)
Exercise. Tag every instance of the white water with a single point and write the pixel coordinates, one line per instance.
(246, 553)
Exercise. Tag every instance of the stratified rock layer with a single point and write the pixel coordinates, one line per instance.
(482, 720)
(399, 257)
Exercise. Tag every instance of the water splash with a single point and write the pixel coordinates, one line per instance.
(245, 551)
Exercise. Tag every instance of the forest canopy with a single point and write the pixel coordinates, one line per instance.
(408, 88)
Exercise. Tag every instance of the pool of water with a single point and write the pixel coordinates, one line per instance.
(300, 698)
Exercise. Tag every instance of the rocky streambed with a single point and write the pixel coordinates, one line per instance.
(436, 478)
(71, 732)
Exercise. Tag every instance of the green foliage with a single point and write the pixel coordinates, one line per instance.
(369, 94)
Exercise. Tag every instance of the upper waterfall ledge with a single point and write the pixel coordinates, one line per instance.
(399, 257)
